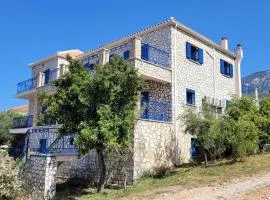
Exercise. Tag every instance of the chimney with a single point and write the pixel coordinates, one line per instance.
(224, 43)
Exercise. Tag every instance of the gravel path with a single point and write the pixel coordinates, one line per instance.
(242, 188)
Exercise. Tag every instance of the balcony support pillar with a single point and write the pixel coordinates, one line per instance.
(104, 56)
(136, 50)
(40, 79)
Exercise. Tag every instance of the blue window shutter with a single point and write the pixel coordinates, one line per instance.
(231, 70)
(222, 67)
(145, 52)
(188, 50)
(200, 56)
(126, 55)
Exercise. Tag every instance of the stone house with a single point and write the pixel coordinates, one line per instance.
(181, 67)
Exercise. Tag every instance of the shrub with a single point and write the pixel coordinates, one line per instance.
(10, 185)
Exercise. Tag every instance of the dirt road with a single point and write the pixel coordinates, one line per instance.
(256, 187)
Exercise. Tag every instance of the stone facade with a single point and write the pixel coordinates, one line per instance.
(153, 146)
(38, 174)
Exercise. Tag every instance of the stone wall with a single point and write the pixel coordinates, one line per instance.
(87, 169)
(38, 174)
(153, 146)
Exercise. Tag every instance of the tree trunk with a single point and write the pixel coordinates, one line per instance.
(205, 158)
(102, 165)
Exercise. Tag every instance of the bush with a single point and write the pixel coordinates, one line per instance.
(10, 185)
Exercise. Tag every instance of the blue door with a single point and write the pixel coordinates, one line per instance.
(194, 147)
(144, 105)
(47, 76)
(43, 145)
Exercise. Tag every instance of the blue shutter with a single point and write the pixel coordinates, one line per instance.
(188, 50)
(222, 67)
(145, 52)
(200, 56)
(126, 55)
(231, 70)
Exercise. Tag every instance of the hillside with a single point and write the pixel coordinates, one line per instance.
(261, 79)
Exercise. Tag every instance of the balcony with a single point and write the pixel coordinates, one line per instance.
(27, 85)
(156, 110)
(155, 55)
(26, 88)
(23, 122)
(49, 141)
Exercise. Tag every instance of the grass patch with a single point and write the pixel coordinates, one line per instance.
(188, 176)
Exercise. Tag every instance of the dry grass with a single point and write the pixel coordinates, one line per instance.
(188, 176)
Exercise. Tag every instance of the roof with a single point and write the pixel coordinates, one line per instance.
(60, 54)
(166, 23)
(23, 108)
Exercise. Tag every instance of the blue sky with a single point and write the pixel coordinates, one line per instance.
(30, 30)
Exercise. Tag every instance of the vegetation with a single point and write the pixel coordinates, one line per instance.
(186, 176)
(100, 106)
(236, 131)
(10, 185)
(6, 119)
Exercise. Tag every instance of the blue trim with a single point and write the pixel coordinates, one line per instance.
(188, 50)
(200, 56)
(126, 55)
(190, 97)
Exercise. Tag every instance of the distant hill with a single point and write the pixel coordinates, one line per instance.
(261, 79)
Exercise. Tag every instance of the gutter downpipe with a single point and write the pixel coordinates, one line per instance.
(174, 100)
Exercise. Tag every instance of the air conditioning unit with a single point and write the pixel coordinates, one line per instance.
(215, 102)
(223, 103)
(207, 99)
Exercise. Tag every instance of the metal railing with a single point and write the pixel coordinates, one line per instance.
(53, 75)
(155, 55)
(156, 110)
(23, 122)
(27, 85)
(54, 144)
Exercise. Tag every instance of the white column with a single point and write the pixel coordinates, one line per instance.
(238, 82)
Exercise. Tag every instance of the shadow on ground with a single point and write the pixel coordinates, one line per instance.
(72, 189)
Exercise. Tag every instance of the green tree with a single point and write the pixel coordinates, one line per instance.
(99, 106)
(6, 119)
(263, 121)
(206, 126)
(242, 134)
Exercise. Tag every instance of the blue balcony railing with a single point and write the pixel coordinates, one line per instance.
(155, 55)
(23, 122)
(155, 110)
(27, 85)
(49, 141)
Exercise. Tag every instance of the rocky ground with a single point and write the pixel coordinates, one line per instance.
(256, 187)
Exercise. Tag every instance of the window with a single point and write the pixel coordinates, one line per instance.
(126, 55)
(145, 52)
(226, 68)
(190, 97)
(194, 53)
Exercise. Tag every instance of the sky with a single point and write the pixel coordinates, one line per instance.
(31, 30)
